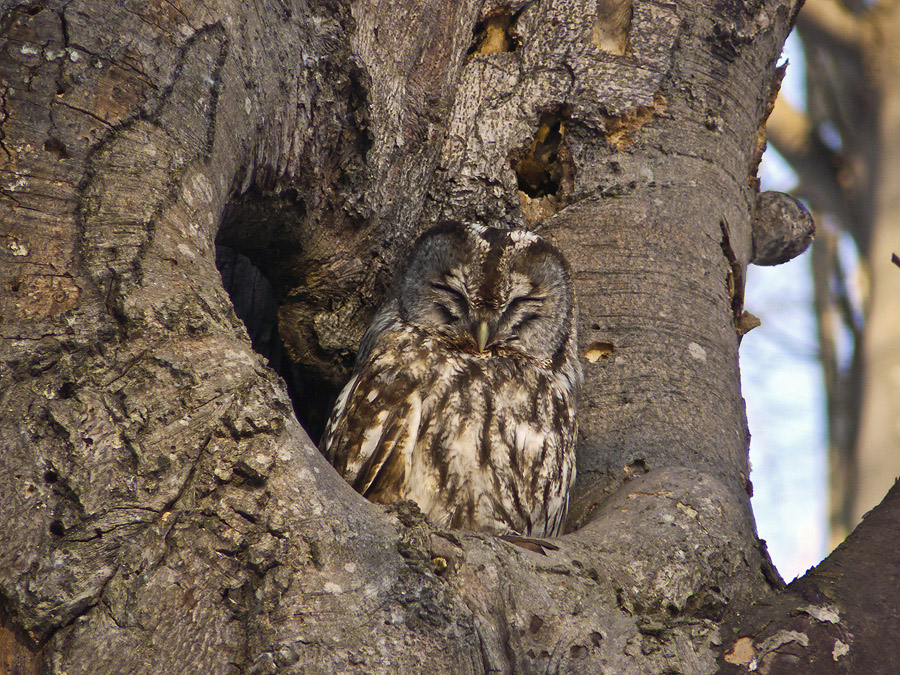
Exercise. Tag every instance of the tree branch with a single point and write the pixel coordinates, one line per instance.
(835, 618)
(831, 18)
(793, 134)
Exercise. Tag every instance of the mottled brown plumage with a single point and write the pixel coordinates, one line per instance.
(463, 395)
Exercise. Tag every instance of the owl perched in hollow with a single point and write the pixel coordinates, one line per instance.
(463, 394)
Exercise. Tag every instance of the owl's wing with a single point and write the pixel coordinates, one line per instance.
(371, 434)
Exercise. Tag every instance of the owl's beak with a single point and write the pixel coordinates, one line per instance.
(481, 334)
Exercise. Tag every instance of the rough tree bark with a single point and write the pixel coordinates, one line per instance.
(164, 511)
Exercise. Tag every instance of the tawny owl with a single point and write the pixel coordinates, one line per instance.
(463, 395)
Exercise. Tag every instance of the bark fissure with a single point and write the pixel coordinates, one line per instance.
(735, 280)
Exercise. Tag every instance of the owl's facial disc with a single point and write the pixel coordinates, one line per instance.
(488, 291)
(455, 316)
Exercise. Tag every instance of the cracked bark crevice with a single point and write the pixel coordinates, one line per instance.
(735, 279)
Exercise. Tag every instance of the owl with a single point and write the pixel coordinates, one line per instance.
(463, 394)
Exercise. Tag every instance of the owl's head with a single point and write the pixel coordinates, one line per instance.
(490, 291)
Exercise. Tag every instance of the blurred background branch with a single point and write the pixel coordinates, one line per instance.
(844, 146)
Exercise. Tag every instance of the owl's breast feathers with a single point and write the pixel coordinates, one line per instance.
(478, 441)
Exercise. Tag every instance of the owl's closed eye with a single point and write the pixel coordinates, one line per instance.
(463, 395)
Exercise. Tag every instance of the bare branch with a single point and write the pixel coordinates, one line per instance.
(832, 18)
(792, 133)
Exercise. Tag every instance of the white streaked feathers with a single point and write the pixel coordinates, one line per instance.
(478, 439)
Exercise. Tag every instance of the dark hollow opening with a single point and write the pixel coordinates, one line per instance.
(540, 171)
(256, 304)
(495, 34)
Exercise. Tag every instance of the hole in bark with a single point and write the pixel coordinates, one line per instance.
(253, 298)
(535, 625)
(249, 517)
(545, 171)
(249, 475)
(50, 477)
(632, 469)
(495, 35)
(57, 528)
(599, 351)
(56, 148)
(538, 172)
(299, 278)
(256, 303)
(578, 651)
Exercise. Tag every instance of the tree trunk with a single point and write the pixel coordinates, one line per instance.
(164, 511)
